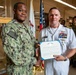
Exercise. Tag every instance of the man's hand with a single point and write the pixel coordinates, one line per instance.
(59, 58)
(37, 45)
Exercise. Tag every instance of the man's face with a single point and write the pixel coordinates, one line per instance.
(54, 17)
(75, 20)
(20, 13)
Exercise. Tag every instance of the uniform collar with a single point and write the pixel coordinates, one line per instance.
(15, 21)
(60, 26)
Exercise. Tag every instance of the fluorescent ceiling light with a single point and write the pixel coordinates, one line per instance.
(1, 6)
(69, 5)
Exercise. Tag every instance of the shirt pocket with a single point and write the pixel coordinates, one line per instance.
(63, 43)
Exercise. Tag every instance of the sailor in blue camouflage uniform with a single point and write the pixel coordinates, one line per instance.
(18, 43)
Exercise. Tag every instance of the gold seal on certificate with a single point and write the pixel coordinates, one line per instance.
(48, 49)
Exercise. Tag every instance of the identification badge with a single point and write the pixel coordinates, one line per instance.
(12, 34)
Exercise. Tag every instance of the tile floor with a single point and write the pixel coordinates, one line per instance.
(71, 72)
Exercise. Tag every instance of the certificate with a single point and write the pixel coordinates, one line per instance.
(48, 49)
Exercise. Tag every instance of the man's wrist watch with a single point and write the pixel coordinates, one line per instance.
(65, 58)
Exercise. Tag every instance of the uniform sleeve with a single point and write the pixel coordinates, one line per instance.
(13, 47)
(31, 35)
(72, 40)
(33, 39)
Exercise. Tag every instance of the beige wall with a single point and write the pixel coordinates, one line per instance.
(65, 11)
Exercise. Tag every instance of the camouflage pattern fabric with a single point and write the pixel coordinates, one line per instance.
(18, 43)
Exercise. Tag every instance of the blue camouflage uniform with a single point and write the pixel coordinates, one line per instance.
(18, 43)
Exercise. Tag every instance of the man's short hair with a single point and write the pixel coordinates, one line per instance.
(73, 19)
(16, 4)
(54, 8)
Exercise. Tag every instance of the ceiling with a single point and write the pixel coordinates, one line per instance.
(72, 2)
